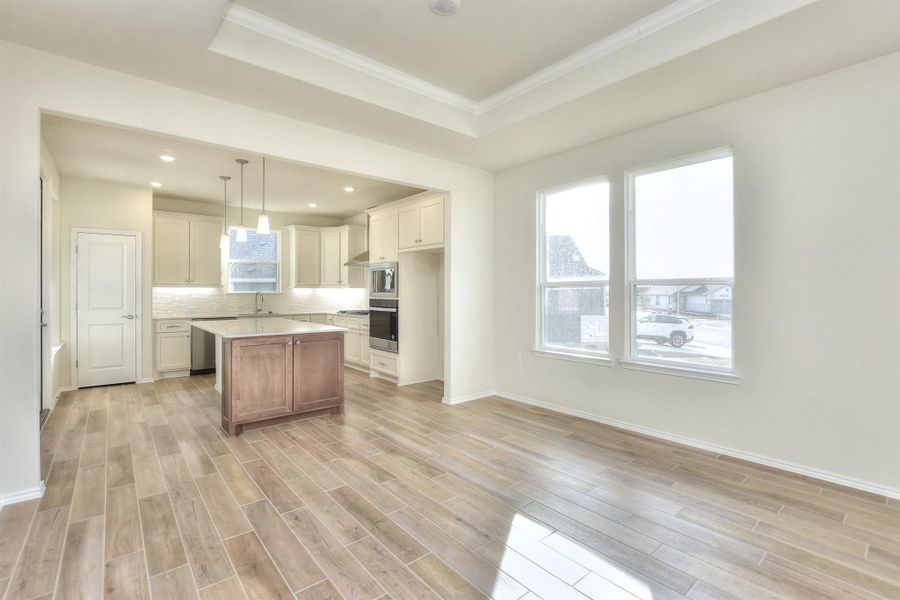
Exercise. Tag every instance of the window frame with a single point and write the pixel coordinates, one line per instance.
(229, 261)
(630, 358)
(542, 284)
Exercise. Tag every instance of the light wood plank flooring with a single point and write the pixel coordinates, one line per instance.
(403, 497)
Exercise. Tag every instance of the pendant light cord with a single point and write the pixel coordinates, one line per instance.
(264, 186)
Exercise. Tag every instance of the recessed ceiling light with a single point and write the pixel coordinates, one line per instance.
(349, 188)
(166, 158)
(156, 184)
(444, 8)
(312, 205)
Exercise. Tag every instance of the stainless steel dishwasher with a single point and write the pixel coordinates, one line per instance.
(203, 347)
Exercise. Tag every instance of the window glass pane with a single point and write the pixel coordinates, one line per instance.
(238, 271)
(686, 324)
(683, 222)
(255, 274)
(576, 226)
(577, 318)
(254, 286)
(257, 247)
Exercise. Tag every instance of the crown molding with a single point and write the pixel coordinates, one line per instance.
(250, 19)
(672, 13)
(665, 17)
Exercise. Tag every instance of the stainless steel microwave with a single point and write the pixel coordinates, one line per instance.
(383, 280)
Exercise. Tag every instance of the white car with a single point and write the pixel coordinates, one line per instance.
(663, 329)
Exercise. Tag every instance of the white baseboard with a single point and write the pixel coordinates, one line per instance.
(147, 380)
(850, 482)
(22, 496)
(468, 397)
(59, 392)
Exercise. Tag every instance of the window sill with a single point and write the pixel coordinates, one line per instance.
(592, 359)
(703, 374)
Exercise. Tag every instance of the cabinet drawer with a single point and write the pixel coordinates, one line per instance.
(383, 364)
(320, 319)
(302, 318)
(172, 326)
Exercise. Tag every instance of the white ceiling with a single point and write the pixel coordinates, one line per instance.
(486, 46)
(689, 55)
(132, 157)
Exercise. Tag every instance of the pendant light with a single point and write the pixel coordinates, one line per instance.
(241, 230)
(223, 242)
(262, 224)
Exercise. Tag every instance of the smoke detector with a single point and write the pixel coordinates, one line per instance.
(444, 8)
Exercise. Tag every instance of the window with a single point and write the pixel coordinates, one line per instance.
(681, 264)
(573, 292)
(254, 265)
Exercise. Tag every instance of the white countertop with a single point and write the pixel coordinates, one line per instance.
(272, 315)
(244, 328)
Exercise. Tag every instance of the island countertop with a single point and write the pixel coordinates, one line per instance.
(247, 328)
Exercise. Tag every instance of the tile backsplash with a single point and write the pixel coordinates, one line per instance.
(171, 303)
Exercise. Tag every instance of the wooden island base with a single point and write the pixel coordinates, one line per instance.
(272, 379)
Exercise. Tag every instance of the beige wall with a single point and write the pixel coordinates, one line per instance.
(817, 213)
(95, 204)
(35, 81)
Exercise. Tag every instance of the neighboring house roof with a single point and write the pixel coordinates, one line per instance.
(702, 290)
(564, 245)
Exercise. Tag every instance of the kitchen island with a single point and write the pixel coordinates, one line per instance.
(272, 370)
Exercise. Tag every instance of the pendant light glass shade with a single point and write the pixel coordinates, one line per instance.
(223, 241)
(262, 223)
(241, 230)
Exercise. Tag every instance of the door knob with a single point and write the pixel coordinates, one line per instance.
(129, 317)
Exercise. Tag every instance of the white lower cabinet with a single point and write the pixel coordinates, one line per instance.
(351, 346)
(173, 347)
(364, 354)
(385, 363)
(356, 340)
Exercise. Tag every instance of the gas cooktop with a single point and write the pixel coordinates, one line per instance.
(353, 312)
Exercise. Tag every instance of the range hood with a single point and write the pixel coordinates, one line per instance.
(362, 259)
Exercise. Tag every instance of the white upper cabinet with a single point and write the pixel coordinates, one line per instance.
(333, 268)
(186, 250)
(318, 255)
(206, 255)
(409, 226)
(383, 236)
(306, 262)
(431, 222)
(422, 223)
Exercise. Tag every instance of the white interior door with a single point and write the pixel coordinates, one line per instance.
(105, 309)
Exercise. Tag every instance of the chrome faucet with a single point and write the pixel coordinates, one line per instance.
(257, 301)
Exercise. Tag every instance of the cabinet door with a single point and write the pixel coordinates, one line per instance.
(307, 259)
(318, 370)
(351, 346)
(344, 256)
(431, 222)
(173, 351)
(206, 256)
(390, 237)
(376, 235)
(262, 372)
(409, 226)
(364, 348)
(331, 257)
(171, 249)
